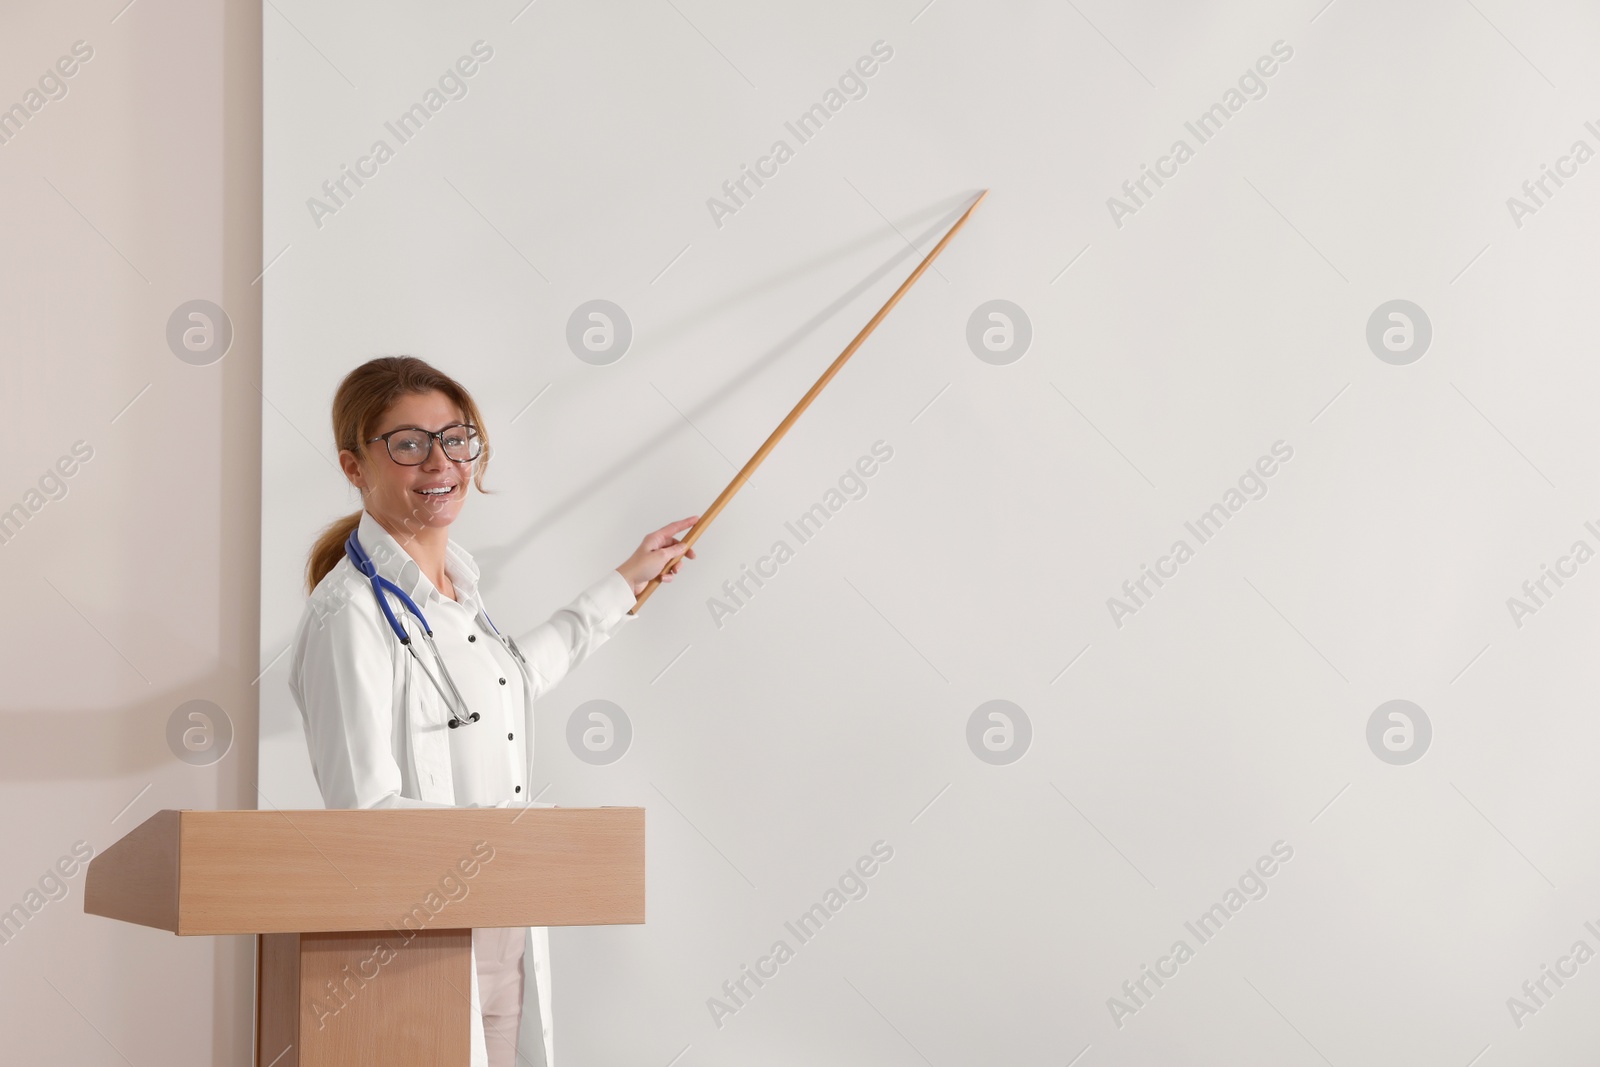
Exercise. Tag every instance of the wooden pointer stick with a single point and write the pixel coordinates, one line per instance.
(805, 402)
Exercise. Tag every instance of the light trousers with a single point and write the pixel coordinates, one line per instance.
(500, 976)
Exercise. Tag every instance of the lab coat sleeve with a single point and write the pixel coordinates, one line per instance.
(345, 688)
(555, 647)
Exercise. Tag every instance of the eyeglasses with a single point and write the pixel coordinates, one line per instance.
(411, 447)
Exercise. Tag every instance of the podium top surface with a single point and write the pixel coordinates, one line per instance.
(248, 872)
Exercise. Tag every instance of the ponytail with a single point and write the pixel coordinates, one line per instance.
(329, 549)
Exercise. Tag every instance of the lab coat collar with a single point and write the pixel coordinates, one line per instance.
(396, 564)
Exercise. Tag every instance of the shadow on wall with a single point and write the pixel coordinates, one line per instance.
(121, 741)
(493, 559)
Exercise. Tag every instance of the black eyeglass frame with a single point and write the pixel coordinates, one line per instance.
(433, 435)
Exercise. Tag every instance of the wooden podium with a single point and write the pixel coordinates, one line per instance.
(364, 918)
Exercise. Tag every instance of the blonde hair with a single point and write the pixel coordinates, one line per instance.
(359, 405)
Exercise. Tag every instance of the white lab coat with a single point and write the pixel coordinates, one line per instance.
(375, 726)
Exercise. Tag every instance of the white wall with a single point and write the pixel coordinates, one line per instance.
(135, 592)
(1170, 352)
(1169, 753)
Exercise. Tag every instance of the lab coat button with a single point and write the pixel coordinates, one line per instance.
(502, 681)
(511, 737)
(472, 637)
(519, 789)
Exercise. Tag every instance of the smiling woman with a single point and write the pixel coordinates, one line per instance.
(411, 446)
(411, 697)
(375, 402)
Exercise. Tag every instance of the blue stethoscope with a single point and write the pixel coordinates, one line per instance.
(381, 586)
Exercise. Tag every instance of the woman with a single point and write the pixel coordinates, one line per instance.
(387, 727)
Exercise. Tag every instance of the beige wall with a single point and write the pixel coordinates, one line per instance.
(135, 591)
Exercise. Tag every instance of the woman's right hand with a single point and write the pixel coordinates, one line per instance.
(655, 552)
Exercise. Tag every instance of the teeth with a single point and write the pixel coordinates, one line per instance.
(436, 492)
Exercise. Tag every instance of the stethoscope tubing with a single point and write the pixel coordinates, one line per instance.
(380, 586)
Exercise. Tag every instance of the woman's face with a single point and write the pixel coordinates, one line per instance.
(395, 493)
